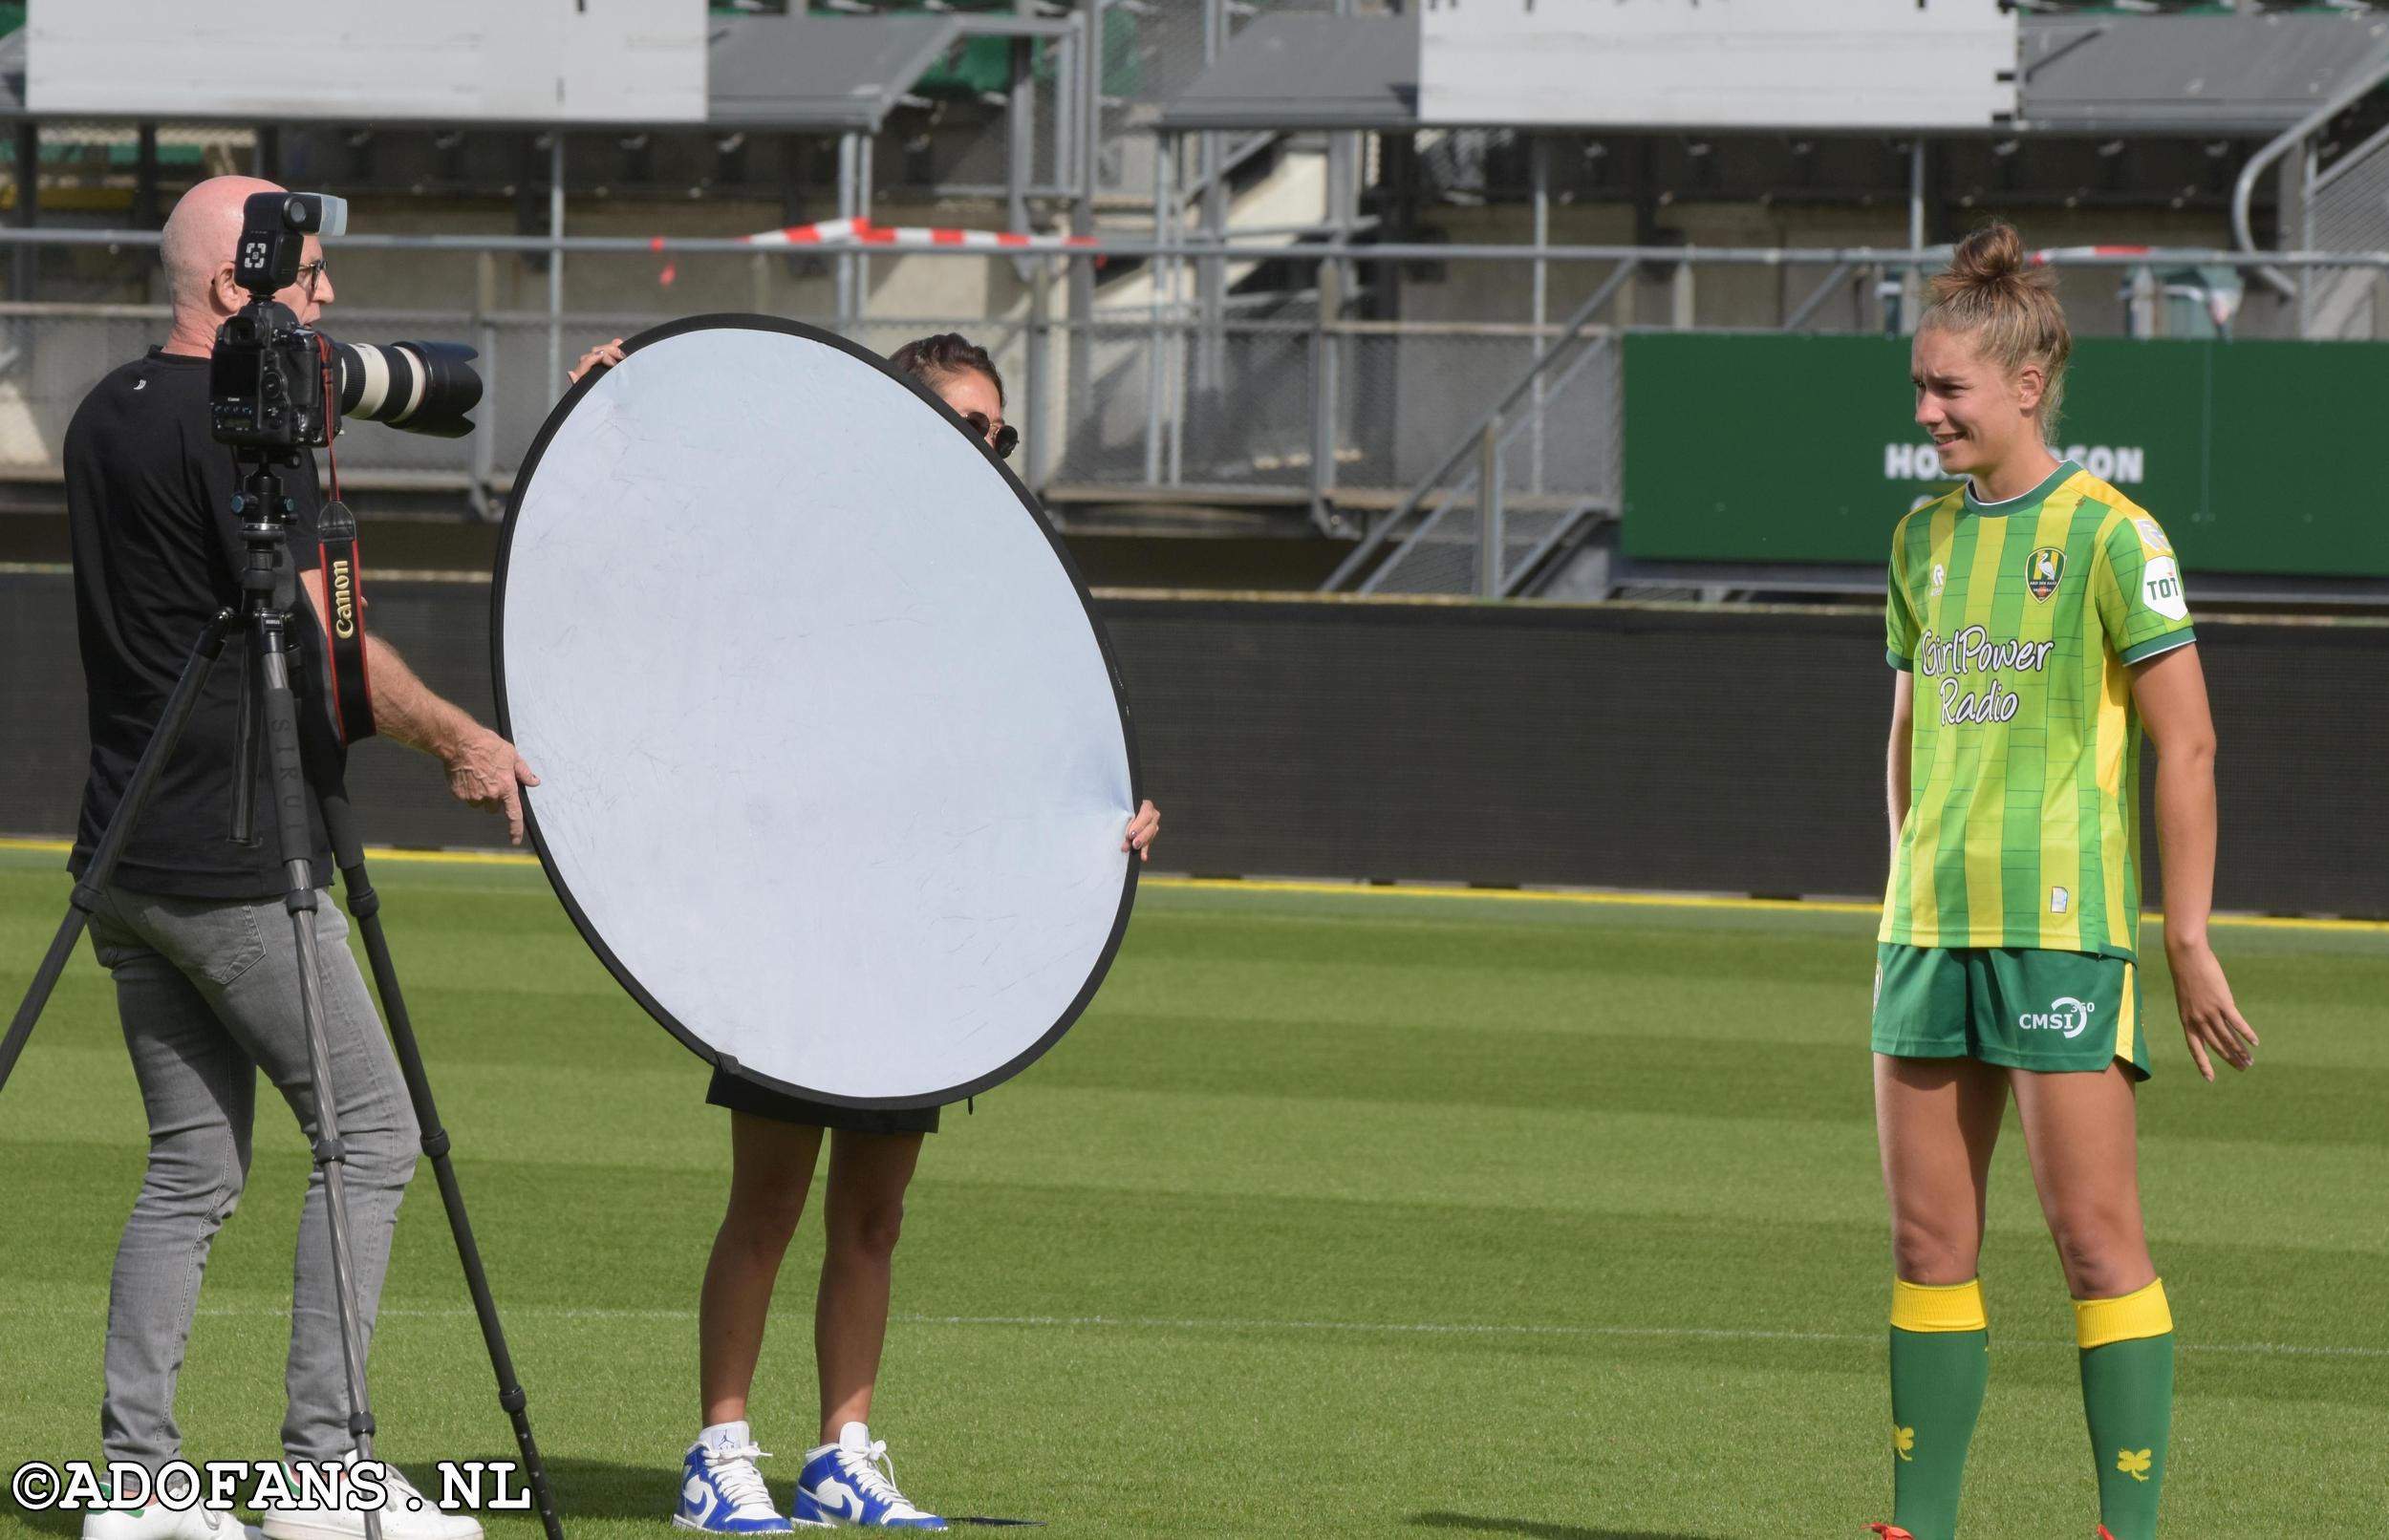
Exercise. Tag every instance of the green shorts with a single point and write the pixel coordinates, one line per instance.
(2011, 1006)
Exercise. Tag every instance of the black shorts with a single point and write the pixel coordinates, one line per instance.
(745, 1096)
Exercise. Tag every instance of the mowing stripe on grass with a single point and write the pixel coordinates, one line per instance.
(1231, 1323)
(1351, 890)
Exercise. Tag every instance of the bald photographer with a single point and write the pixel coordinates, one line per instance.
(193, 926)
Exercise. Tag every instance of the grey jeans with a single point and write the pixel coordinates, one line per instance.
(207, 991)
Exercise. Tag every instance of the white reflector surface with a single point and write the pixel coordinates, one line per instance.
(833, 761)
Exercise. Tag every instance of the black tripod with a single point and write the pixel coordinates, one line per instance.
(268, 588)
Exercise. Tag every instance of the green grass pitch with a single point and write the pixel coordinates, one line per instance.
(1337, 1216)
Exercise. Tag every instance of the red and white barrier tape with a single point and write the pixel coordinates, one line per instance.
(2058, 253)
(863, 232)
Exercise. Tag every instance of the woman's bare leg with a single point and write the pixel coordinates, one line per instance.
(1937, 1120)
(771, 1165)
(863, 1214)
(2082, 1133)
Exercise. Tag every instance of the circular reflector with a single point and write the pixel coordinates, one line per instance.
(833, 758)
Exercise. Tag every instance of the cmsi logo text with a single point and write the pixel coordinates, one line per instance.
(2065, 1014)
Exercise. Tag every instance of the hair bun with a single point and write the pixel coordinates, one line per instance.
(1993, 255)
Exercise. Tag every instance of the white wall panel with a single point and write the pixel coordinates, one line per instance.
(633, 61)
(1818, 64)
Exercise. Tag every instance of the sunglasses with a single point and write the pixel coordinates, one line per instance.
(1006, 438)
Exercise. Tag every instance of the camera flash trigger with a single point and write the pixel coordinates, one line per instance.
(314, 213)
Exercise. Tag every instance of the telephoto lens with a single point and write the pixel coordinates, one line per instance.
(415, 387)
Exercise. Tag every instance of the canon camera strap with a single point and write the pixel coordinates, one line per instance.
(344, 596)
(352, 694)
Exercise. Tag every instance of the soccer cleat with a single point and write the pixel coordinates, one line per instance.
(852, 1481)
(156, 1522)
(721, 1492)
(1890, 1531)
(405, 1513)
(2103, 1534)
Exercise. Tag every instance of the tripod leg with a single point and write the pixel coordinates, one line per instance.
(365, 906)
(113, 840)
(289, 799)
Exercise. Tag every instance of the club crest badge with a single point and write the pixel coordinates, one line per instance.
(2042, 569)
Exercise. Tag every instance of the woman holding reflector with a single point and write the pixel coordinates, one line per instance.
(2037, 621)
(776, 1141)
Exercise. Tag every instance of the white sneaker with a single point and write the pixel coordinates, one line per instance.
(407, 1514)
(721, 1492)
(159, 1523)
(852, 1481)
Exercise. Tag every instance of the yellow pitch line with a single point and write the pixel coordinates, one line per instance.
(379, 852)
(1695, 901)
(1515, 895)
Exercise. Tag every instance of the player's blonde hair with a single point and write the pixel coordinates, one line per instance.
(2011, 310)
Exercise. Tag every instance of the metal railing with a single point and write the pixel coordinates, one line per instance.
(1286, 398)
(1460, 529)
(1300, 413)
(2347, 205)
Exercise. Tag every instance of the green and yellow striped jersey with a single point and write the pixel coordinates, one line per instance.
(2021, 620)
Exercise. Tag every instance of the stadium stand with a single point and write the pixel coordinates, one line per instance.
(1294, 410)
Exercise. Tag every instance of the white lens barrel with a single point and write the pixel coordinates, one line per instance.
(392, 383)
(418, 380)
(374, 371)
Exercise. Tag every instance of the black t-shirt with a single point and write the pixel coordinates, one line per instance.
(156, 552)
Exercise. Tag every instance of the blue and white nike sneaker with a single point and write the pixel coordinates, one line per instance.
(852, 1481)
(721, 1492)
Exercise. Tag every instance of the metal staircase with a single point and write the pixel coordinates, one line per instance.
(2347, 209)
(1520, 483)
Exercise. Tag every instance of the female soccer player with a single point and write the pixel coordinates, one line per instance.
(775, 1141)
(2036, 620)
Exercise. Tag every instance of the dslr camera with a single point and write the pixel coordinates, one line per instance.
(275, 385)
